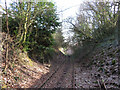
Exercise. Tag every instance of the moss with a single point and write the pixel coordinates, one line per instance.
(113, 62)
(30, 63)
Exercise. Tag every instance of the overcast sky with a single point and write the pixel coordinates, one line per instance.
(70, 7)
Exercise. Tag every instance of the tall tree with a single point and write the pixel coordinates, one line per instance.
(32, 25)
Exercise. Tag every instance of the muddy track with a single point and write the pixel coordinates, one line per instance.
(61, 78)
(52, 75)
(61, 82)
(52, 70)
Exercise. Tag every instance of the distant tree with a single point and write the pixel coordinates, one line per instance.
(59, 39)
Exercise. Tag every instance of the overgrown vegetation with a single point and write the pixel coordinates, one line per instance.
(96, 22)
(31, 27)
(27, 30)
(97, 37)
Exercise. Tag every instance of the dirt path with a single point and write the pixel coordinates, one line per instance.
(61, 76)
(72, 75)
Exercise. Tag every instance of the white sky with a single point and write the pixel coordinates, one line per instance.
(73, 6)
(69, 8)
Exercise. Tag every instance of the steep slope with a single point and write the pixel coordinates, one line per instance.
(100, 70)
